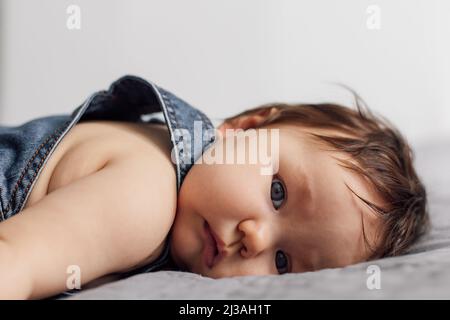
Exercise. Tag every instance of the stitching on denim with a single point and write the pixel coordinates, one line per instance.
(165, 111)
(1, 205)
(170, 108)
(24, 171)
(180, 147)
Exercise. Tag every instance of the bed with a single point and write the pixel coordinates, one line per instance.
(423, 273)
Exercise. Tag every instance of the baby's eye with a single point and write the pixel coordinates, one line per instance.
(281, 262)
(277, 193)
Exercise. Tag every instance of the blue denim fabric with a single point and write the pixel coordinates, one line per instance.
(25, 149)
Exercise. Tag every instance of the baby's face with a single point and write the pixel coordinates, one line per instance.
(302, 218)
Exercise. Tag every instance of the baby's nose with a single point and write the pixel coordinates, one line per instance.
(255, 239)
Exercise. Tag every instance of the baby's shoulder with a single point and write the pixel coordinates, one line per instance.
(146, 147)
(92, 145)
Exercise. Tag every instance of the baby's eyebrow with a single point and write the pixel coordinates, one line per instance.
(302, 266)
(303, 185)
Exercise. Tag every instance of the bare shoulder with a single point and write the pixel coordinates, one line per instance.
(90, 146)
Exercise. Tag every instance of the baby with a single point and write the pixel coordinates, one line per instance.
(105, 194)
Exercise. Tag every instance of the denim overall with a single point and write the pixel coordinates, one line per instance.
(25, 149)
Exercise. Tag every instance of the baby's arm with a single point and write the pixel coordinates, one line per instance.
(105, 222)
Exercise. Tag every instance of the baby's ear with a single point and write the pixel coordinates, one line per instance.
(247, 121)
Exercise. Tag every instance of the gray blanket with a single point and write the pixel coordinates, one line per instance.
(423, 273)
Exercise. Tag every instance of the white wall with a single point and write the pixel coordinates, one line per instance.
(225, 56)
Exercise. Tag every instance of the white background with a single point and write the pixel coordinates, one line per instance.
(226, 56)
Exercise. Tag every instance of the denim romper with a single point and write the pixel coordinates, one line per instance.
(25, 149)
